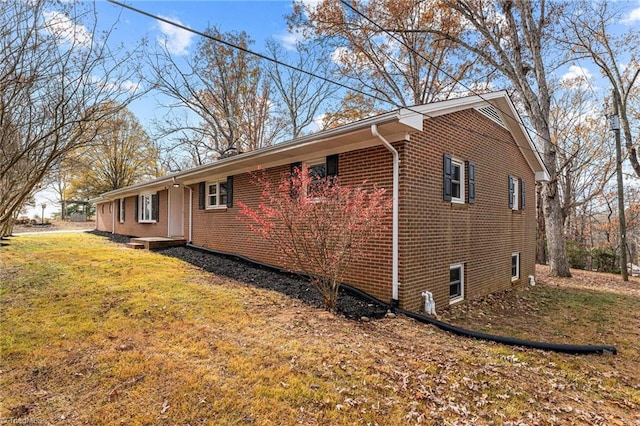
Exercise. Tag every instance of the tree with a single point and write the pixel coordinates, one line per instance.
(585, 159)
(318, 226)
(226, 89)
(301, 94)
(589, 34)
(412, 67)
(353, 107)
(54, 72)
(121, 155)
(516, 39)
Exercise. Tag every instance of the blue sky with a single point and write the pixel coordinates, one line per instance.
(262, 20)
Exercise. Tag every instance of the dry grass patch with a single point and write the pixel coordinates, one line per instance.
(95, 334)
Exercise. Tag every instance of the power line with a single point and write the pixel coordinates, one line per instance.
(326, 79)
(390, 33)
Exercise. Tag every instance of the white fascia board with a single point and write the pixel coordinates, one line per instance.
(409, 120)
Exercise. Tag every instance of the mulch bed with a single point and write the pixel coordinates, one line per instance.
(349, 304)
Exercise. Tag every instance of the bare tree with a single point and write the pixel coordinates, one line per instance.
(589, 33)
(407, 68)
(515, 38)
(225, 88)
(301, 94)
(585, 160)
(121, 155)
(54, 73)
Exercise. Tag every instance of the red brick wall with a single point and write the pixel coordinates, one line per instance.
(104, 216)
(436, 234)
(130, 225)
(433, 233)
(220, 229)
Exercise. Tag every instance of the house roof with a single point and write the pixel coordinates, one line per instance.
(395, 126)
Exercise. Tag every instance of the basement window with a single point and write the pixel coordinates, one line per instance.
(456, 283)
(515, 266)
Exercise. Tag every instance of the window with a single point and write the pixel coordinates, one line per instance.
(515, 266)
(516, 193)
(456, 283)
(148, 208)
(513, 193)
(216, 194)
(317, 174)
(121, 206)
(318, 170)
(456, 180)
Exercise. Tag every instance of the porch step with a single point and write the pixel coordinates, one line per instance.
(136, 246)
(151, 243)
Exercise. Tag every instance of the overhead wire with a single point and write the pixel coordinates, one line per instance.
(323, 78)
(390, 33)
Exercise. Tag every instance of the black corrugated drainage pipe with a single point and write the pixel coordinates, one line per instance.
(511, 341)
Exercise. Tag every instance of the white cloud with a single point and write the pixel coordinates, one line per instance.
(290, 40)
(115, 87)
(68, 32)
(309, 6)
(176, 40)
(576, 76)
(633, 17)
(342, 55)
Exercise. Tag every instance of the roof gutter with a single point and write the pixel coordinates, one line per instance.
(396, 187)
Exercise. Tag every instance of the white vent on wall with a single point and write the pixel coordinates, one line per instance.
(491, 112)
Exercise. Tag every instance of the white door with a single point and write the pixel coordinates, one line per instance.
(176, 212)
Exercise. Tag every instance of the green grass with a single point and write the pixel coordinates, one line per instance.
(92, 333)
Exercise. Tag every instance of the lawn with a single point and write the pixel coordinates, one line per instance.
(92, 333)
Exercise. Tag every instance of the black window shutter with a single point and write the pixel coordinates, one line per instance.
(332, 165)
(229, 191)
(295, 168)
(522, 194)
(155, 207)
(448, 174)
(137, 207)
(124, 208)
(471, 182)
(118, 209)
(202, 195)
(511, 190)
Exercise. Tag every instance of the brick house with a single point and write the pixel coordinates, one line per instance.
(465, 211)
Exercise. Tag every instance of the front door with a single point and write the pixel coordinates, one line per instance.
(176, 212)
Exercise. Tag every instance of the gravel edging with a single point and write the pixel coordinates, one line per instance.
(349, 304)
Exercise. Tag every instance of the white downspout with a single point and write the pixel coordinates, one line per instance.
(190, 212)
(396, 190)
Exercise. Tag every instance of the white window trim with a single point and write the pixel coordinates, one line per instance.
(459, 298)
(515, 198)
(517, 276)
(121, 211)
(460, 164)
(216, 206)
(141, 198)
